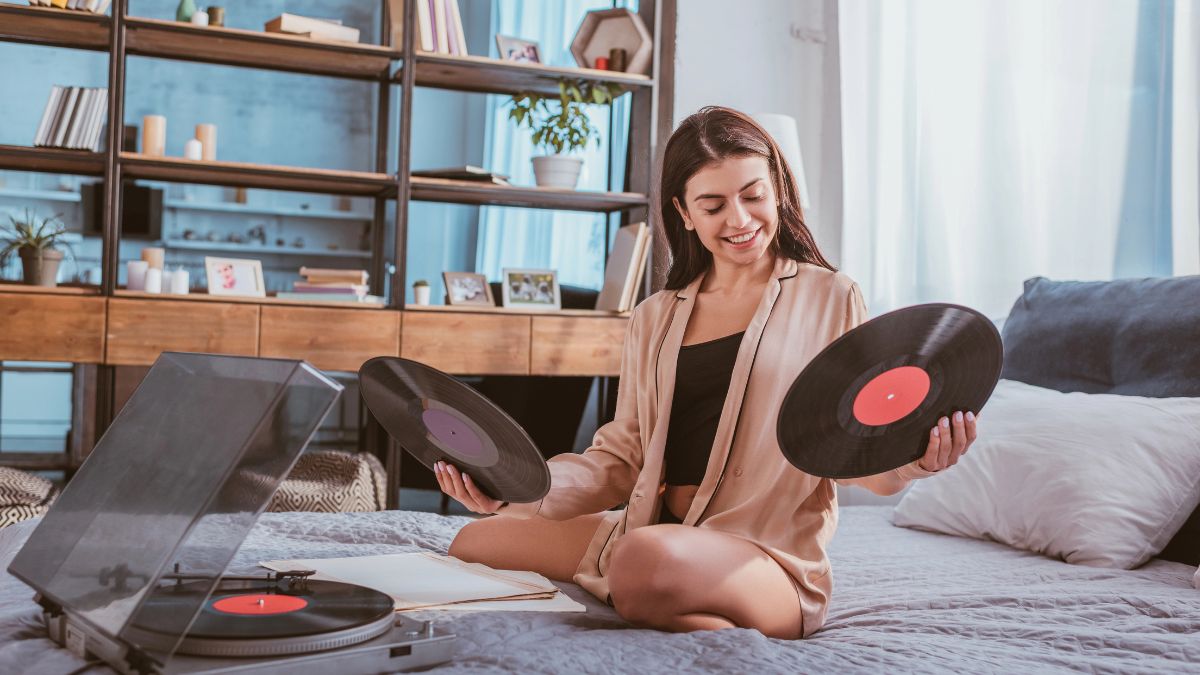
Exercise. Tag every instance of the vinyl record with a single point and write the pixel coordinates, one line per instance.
(435, 417)
(261, 609)
(867, 402)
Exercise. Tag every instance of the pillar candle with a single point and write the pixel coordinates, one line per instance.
(154, 256)
(179, 282)
(135, 274)
(193, 150)
(207, 135)
(154, 280)
(154, 135)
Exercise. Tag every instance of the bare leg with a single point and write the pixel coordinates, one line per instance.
(679, 579)
(552, 548)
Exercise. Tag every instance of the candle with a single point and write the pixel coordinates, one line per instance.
(154, 256)
(193, 150)
(154, 135)
(207, 135)
(179, 282)
(200, 18)
(135, 271)
(154, 280)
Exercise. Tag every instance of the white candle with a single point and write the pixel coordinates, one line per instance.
(193, 150)
(154, 280)
(136, 274)
(200, 18)
(179, 282)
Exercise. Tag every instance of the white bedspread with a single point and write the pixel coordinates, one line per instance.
(903, 601)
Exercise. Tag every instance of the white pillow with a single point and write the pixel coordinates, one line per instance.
(1095, 479)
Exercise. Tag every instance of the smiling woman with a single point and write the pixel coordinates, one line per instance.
(719, 530)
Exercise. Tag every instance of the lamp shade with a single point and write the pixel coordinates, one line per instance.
(787, 136)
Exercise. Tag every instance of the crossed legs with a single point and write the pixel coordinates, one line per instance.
(670, 577)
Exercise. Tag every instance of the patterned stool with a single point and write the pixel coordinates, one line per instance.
(23, 496)
(333, 481)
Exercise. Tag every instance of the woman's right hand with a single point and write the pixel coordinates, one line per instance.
(460, 486)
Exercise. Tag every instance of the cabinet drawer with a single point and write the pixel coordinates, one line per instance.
(330, 339)
(39, 327)
(564, 345)
(467, 344)
(139, 330)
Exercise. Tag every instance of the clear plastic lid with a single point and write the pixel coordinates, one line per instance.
(180, 477)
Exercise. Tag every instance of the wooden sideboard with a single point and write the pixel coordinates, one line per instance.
(131, 329)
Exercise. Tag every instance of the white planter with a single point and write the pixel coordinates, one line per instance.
(560, 171)
(421, 295)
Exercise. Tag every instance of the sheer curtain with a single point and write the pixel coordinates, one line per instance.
(570, 242)
(987, 142)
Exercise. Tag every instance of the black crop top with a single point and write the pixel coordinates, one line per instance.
(701, 383)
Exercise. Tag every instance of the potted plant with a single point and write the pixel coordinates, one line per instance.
(560, 125)
(421, 292)
(36, 243)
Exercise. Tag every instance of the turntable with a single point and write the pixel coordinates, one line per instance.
(130, 564)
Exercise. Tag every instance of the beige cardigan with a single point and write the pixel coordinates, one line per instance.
(749, 489)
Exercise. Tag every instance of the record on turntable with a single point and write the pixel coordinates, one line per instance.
(867, 402)
(437, 418)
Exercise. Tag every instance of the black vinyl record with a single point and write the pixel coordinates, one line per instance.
(437, 418)
(262, 609)
(867, 402)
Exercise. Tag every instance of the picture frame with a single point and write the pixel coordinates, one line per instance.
(234, 276)
(531, 289)
(516, 49)
(468, 288)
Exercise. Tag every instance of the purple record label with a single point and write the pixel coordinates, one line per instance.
(457, 435)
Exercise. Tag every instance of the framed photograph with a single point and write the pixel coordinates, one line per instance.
(531, 289)
(516, 49)
(468, 288)
(234, 276)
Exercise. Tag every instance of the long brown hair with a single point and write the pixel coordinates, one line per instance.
(709, 136)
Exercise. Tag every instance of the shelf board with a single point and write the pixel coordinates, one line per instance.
(44, 195)
(493, 76)
(51, 160)
(484, 309)
(268, 176)
(52, 27)
(468, 192)
(11, 287)
(187, 244)
(249, 210)
(205, 297)
(257, 49)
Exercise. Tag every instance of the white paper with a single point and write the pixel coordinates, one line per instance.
(418, 580)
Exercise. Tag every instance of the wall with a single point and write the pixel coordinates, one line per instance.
(777, 56)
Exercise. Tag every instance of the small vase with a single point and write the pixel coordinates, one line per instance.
(185, 10)
(40, 267)
(421, 295)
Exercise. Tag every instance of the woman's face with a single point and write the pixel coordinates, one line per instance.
(732, 208)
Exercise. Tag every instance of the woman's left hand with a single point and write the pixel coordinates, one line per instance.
(948, 441)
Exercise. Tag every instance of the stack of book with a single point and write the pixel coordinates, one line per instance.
(320, 29)
(474, 174)
(626, 266)
(75, 117)
(440, 27)
(328, 285)
(93, 6)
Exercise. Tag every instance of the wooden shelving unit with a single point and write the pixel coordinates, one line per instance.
(397, 70)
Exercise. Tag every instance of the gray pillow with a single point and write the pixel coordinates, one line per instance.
(1137, 337)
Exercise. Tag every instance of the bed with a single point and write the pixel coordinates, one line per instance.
(904, 601)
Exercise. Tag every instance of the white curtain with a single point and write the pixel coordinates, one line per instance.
(570, 242)
(990, 141)
(1185, 145)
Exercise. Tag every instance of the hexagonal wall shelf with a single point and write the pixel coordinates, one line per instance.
(606, 29)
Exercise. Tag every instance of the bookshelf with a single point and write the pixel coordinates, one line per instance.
(397, 70)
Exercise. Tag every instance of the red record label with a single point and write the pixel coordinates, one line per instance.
(891, 395)
(259, 604)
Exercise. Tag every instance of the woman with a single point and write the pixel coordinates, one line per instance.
(720, 530)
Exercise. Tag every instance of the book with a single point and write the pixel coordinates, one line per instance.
(621, 269)
(424, 27)
(320, 275)
(331, 288)
(64, 117)
(456, 25)
(327, 297)
(39, 138)
(318, 28)
(439, 22)
(467, 172)
(395, 23)
(630, 301)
